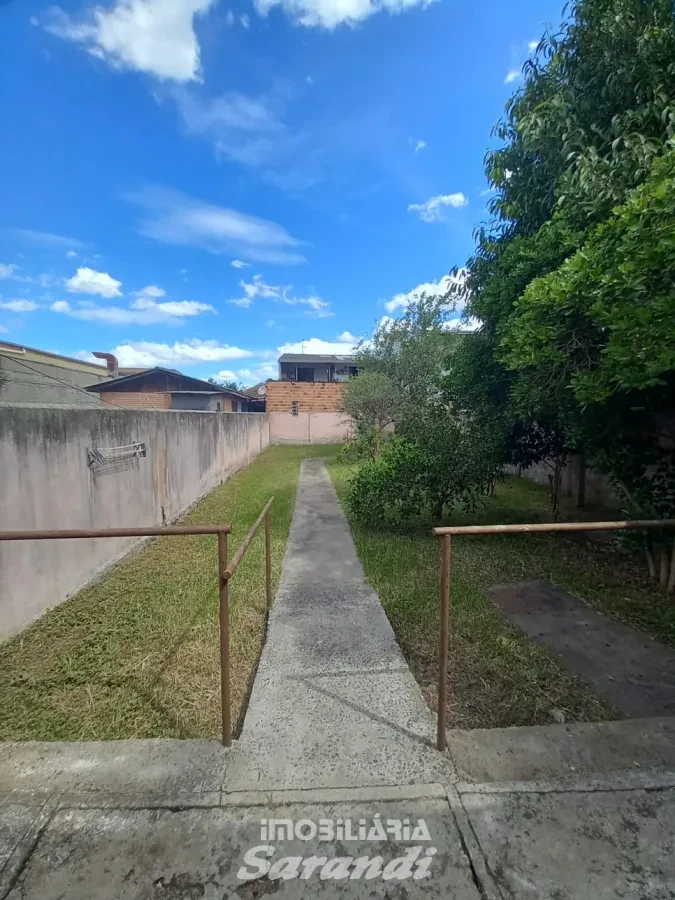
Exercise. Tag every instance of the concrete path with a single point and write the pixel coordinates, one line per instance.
(635, 673)
(564, 812)
(334, 703)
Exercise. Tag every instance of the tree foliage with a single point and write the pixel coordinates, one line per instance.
(573, 277)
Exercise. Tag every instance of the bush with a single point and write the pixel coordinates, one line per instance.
(449, 465)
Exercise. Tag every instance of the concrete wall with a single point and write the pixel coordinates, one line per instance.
(29, 379)
(46, 482)
(308, 428)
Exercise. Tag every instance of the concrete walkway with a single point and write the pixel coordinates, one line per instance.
(564, 812)
(626, 667)
(334, 703)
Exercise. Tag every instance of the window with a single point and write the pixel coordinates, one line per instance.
(305, 374)
(218, 406)
(294, 408)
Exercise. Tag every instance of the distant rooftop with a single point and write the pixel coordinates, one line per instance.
(315, 358)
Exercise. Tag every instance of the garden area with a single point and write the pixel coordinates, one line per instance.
(564, 354)
(136, 655)
(497, 677)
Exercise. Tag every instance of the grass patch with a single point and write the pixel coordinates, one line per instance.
(497, 676)
(136, 654)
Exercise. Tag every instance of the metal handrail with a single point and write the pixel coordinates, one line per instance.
(447, 532)
(225, 573)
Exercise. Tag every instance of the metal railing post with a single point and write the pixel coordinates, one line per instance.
(268, 558)
(446, 557)
(224, 616)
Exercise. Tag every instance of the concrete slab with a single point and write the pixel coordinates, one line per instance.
(577, 750)
(604, 845)
(148, 766)
(334, 703)
(195, 854)
(632, 671)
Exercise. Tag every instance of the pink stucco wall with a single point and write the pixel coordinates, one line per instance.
(308, 428)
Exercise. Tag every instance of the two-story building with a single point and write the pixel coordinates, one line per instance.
(305, 404)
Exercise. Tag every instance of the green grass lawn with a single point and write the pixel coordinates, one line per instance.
(497, 676)
(136, 654)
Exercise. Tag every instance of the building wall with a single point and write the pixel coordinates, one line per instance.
(310, 396)
(47, 483)
(308, 428)
(136, 399)
(28, 378)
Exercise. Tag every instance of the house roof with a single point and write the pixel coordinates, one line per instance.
(253, 390)
(34, 355)
(191, 385)
(314, 358)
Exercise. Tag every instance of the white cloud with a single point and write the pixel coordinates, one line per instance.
(151, 291)
(331, 13)
(348, 338)
(71, 254)
(257, 373)
(3, 330)
(152, 36)
(468, 324)
(175, 218)
(47, 239)
(244, 20)
(172, 308)
(258, 287)
(219, 116)
(513, 75)
(239, 264)
(432, 209)
(420, 145)
(318, 345)
(225, 375)
(532, 46)
(89, 281)
(46, 279)
(430, 288)
(142, 311)
(181, 353)
(230, 18)
(18, 305)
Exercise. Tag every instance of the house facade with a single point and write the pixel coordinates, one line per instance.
(304, 405)
(160, 388)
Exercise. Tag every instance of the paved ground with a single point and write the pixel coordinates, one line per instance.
(635, 673)
(337, 746)
(562, 812)
(334, 702)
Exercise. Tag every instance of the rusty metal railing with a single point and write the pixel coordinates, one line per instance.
(446, 533)
(225, 573)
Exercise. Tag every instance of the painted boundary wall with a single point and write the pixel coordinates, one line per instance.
(308, 428)
(46, 482)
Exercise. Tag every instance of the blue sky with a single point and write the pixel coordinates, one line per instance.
(203, 184)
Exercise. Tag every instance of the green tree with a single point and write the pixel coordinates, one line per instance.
(573, 276)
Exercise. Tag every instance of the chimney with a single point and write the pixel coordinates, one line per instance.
(111, 363)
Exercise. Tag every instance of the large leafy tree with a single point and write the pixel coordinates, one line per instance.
(573, 276)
